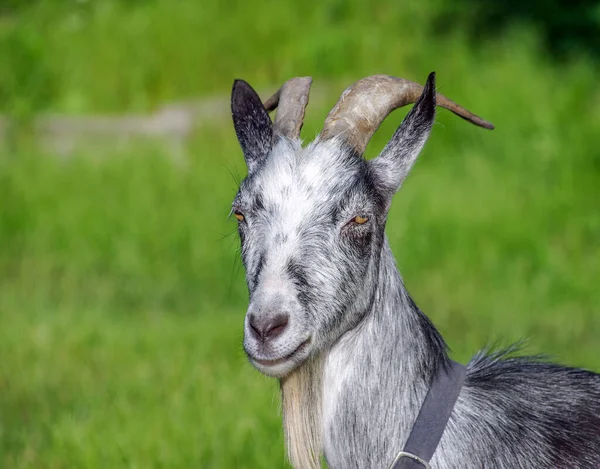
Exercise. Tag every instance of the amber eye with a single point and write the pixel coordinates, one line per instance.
(360, 220)
(239, 216)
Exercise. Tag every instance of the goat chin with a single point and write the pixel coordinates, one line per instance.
(302, 396)
(284, 366)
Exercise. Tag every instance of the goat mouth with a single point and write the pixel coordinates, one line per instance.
(278, 361)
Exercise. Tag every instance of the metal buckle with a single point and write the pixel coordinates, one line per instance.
(404, 454)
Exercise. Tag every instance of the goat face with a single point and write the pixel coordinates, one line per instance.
(311, 230)
(311, 220)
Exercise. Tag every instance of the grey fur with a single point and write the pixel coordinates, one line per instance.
(357, 355)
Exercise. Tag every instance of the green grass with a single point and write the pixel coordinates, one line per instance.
(89, 389)
(121, 293)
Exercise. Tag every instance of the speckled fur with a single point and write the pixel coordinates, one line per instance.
(360, 352)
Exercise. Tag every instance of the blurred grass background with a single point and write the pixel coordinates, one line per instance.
(121, 293)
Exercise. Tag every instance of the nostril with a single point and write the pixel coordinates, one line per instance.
(268, 327)
(255, 326)
(277, 326)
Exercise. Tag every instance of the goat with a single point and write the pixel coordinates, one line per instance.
(329, 315)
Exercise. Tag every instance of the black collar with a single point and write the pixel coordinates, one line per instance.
(433, 417)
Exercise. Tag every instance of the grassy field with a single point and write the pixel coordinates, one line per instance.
(121, 293)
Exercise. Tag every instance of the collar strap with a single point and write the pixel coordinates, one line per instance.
(432, 419)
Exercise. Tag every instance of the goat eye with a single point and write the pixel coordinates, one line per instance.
(360, 220)
(239, 216)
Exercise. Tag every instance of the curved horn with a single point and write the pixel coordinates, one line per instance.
(292, 99)
(363, 106)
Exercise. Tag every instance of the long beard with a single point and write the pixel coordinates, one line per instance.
(302, 398)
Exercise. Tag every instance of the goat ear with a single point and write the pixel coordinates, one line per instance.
(252, 124)
(395, 161)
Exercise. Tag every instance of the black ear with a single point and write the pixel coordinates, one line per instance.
(252, 124)
(395, 161)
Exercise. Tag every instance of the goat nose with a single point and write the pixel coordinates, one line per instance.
(268, 327)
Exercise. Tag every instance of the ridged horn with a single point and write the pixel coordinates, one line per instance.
(291, 99)
(363, 106)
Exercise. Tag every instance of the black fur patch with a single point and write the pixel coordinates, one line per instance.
(258, 270)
